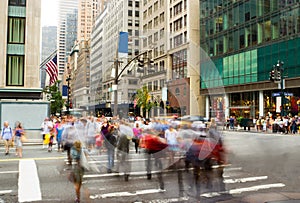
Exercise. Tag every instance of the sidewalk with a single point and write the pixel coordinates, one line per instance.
(253, 130)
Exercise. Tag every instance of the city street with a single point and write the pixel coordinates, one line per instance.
(261, 168)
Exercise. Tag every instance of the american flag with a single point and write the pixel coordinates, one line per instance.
(52, 69)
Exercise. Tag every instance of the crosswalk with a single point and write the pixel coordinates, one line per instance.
(107, 187)
(235, 179)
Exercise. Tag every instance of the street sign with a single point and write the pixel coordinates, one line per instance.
(278, 94)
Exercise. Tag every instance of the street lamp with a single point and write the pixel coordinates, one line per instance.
(279, 78)
(118, 75)
(68, 94)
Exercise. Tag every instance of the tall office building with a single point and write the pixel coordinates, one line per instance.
(153, 40)
(243, 40)
(49, 36)
(122, 16)
(64, 7)
(71, 30)
(171, 33)
(88, 10)
(97, 44)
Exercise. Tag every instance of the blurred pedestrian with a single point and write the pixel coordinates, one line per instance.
(171, 136)
(77, 169)
(122, 155)
(7, 136)
(69, 135)
(91, 131)
(110, 142)
(19, 132)
(59, 130)
(154, 147)
(46, 126)
(137, 131)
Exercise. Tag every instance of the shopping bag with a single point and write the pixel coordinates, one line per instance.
(24, 139)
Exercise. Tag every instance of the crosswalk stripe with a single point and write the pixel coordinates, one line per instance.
(127, 194)
(5, 192)
(29, 184)
(180, 199)
(8, 172)
(243, 180)
(246, 189)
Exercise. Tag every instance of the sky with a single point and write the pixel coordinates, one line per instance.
(49, 12)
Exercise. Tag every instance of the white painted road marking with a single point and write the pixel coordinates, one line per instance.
(29, 184)
(243, 180)
(127, 194)
(246, 189)
(8, 172)
(5, 192)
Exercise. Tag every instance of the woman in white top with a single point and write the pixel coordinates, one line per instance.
(171, 135)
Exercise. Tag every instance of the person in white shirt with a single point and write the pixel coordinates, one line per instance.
(46, 127)
(171, 136)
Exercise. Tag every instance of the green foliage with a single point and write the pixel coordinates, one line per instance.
(143, 99)
(239, 119)
(55, 98)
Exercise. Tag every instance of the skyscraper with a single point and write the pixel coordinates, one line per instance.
(65, 7)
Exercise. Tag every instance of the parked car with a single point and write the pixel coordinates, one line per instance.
(193, 118)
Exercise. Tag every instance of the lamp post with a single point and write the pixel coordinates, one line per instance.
(68, 96)
(118, 75)
(280, 79)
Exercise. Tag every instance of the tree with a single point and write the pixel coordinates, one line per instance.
(143, 100)
(55, 98)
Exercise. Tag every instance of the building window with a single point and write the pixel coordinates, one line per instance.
(177, 92)
(17, 2)
(149, 86)
(16, 30)
(15, 71)
(155, 85)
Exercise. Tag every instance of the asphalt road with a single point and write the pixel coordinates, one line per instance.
(259, 165)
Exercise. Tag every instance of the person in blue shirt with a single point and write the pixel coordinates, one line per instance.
(7, 136)
(19, 132)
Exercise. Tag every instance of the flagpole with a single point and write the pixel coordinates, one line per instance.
(48, 59)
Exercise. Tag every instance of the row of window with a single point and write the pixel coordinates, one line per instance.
(250, 35)
(178, 8)
(137, 3)
(157, 20)
(17, 2)
(252, 7)
(15, 36)
(156, 85)
(156, 36)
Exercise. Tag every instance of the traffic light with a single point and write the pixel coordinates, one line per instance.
(277, 76)
(151, 62)
(141, 64)
(272, 75)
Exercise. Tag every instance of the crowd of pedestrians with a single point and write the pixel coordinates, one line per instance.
(268, 124)
(161, 141)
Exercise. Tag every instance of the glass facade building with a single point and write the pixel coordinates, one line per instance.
(242, 40)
